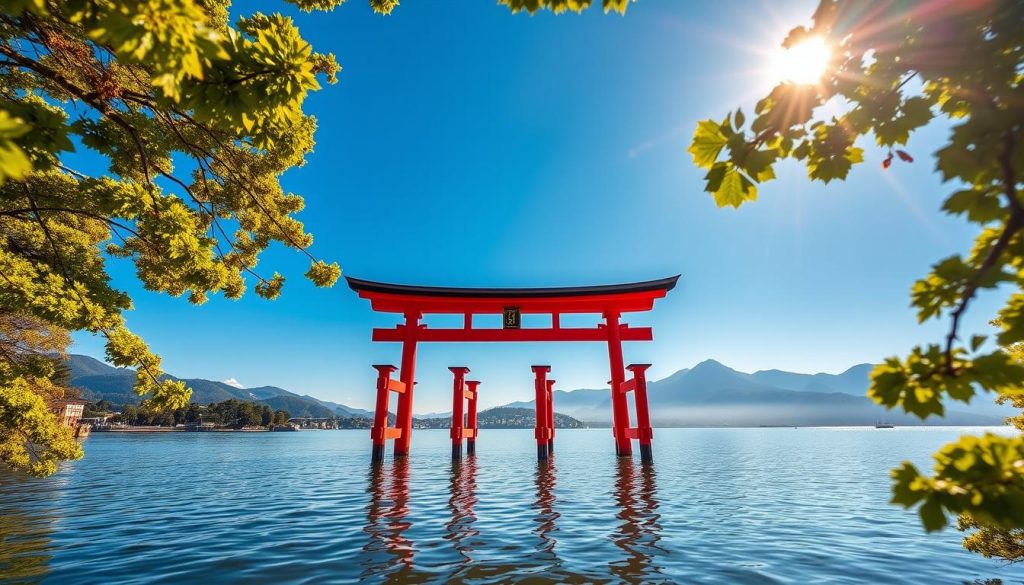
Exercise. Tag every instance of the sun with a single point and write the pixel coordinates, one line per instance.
(803, 64)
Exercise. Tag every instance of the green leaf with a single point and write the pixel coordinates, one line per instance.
(735, 189)
(903, 478)
(14, 164)
(708, 142)
(739, 119)
(932, 516)
(976, 341)
(980, 205)
(758, 164)
(713, 178)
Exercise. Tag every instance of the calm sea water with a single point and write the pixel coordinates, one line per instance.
(719, 506)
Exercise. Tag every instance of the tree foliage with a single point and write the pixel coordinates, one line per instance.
(560, 6)
(896, 66)
(31, 374)
(197, 118)
(986, 539)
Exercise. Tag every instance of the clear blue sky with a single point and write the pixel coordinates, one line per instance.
(466, 146)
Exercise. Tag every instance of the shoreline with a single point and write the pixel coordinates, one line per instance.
(174, 430)
(595, 428)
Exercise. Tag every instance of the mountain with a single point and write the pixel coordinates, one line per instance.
(299, 406)
(83, 365)
(100, 381)
(853, 381)
(712, 394)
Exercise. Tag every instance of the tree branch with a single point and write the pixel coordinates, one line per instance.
(1013, 225)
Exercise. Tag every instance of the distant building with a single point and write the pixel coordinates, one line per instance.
(69, 412)
(314, 423)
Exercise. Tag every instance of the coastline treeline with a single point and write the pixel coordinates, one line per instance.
(231, 413)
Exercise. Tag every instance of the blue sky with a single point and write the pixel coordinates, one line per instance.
(465, 146)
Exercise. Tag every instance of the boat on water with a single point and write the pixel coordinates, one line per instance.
(884, 425)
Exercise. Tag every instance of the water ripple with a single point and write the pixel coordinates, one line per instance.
(718, 506)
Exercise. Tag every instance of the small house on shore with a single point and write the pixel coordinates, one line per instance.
(69, 413)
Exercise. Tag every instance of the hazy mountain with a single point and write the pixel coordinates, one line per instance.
(852, 381)
(100, 381)
(712, 394)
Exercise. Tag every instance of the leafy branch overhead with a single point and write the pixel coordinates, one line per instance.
(560, 6)
(197, 118)
(894, 67)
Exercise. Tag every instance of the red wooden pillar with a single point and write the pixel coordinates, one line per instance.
(620, 407)
(378, 434)
(643, 415)
(541, 429)
(408, 377)
(471, 426)
(458, 413)
(551, 416)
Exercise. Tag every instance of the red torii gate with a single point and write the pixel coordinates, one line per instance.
(610, 301)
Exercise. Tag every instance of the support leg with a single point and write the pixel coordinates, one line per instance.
(540, 387)
(643, 415)
(620, 408)
(471, 422)
(551, 416)
(408, 377)
(380, 412)
(458, 414)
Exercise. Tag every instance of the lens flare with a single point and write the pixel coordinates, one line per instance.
(803, 64)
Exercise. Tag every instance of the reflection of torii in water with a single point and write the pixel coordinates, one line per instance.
(546, 514)
(387, 548)
(640, 532)
(461, 502)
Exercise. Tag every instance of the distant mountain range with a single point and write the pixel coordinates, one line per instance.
(100, 381)
(709, 394)
(712, 394)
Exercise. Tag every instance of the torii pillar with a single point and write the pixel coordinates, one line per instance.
(542, 427)
(471, 430)
(620, 407)
(458, 409)
(551, 416)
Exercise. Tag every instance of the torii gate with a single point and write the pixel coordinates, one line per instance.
(413, 302)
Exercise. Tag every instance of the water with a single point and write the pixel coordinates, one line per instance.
(719, 506)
